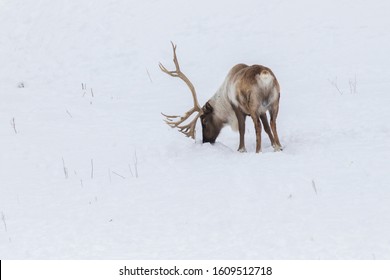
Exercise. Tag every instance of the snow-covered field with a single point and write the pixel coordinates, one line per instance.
(88, 169)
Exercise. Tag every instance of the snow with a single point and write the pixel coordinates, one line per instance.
(88, 169)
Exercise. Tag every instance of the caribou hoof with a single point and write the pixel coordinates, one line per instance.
(278, 149)
(242, 150)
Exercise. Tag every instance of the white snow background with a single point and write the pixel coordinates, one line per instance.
(89, 170)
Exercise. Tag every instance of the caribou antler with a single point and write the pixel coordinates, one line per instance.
(177, 121)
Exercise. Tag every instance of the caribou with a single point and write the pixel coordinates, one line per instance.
(246, 91)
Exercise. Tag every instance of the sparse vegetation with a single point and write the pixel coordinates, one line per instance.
(65, 169)
(135, 164)
(91, 168)
(353, 85)
(4, 222)
(150, 78)
(13, 124)
(313, 184)
(351, 82)
(335, 85)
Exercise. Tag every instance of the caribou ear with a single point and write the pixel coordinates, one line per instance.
(207, 108)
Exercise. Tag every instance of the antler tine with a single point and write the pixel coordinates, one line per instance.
(165, 70)
(169, 117)
(188, 129)
(176, 121)
(175, 61)
(175, 57)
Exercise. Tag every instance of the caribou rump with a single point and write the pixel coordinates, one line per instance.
(246, 91)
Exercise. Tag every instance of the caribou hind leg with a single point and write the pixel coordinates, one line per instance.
(264, 120)
(257, 123)
(274, 113)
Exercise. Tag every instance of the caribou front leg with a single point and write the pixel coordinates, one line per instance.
(241, 128)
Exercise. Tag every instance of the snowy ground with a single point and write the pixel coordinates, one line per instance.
(91, 171)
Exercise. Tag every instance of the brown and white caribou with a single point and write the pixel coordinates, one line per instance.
(246, 91)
